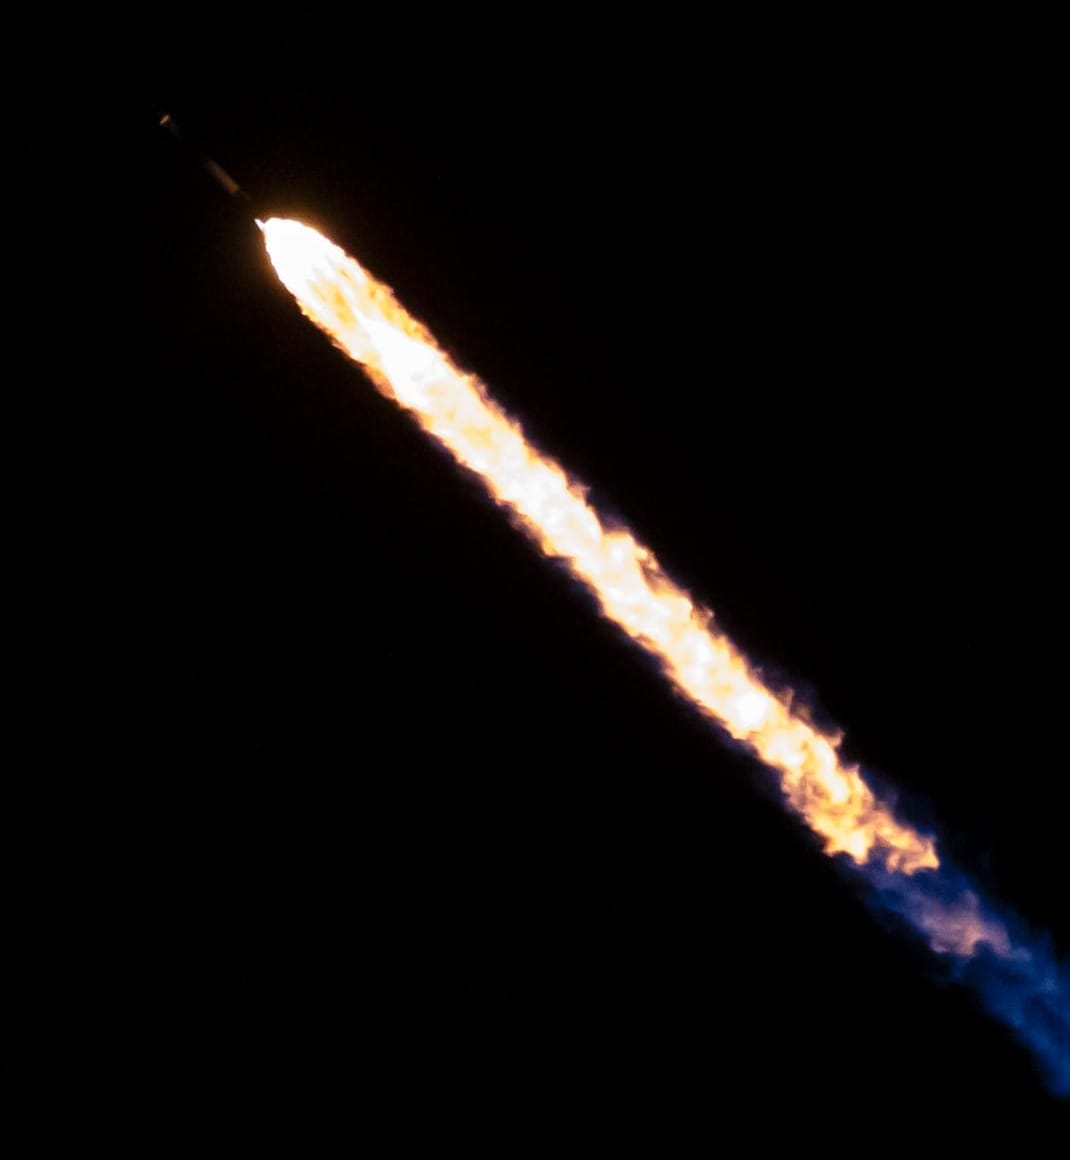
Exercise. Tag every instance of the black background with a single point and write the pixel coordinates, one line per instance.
(339, 820)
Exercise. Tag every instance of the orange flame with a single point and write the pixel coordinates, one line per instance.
(363, 318)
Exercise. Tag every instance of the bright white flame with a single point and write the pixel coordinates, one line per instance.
(362, 317)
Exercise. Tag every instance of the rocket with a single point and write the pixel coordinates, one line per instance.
(213, 168)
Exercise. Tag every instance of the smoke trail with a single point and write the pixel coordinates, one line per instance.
(1013, 970)
(1015, 975)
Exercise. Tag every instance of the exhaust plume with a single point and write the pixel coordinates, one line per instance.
(1017, 976)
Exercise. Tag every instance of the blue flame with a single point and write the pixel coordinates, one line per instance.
(1014, 971)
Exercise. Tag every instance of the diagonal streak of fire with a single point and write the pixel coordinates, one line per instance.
(1020, 983)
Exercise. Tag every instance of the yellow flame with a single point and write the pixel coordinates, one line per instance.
(363, 318)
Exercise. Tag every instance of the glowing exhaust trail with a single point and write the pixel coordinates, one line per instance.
(900, 864)
(362, 317)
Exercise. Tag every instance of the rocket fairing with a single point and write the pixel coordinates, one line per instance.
(213, 168)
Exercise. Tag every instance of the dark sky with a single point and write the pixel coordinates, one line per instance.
(339, 820)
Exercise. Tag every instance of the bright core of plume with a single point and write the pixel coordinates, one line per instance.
(364, 319)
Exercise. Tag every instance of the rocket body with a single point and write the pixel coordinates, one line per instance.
(212, 168)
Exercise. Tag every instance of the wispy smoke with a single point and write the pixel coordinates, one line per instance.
(1013, 969)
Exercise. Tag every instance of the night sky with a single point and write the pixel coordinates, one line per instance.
(340, 823)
